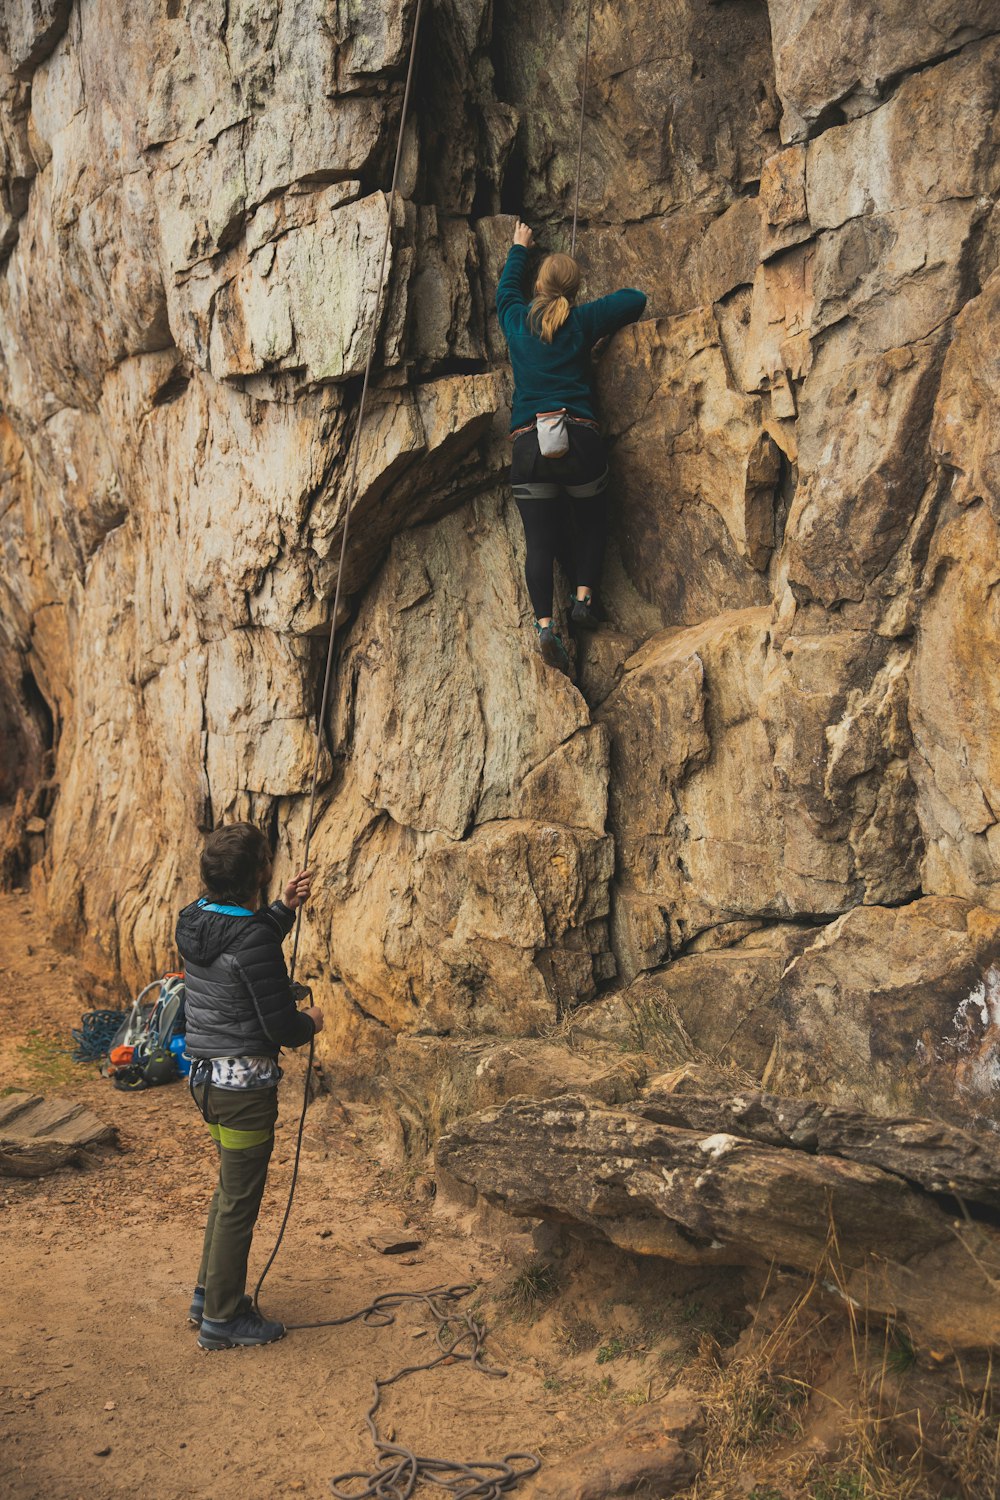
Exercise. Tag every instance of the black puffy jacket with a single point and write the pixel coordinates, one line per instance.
(237, 994)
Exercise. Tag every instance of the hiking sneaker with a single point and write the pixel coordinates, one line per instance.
(585, 614)
(242, 1332)
(552, 649)
(196, 1312)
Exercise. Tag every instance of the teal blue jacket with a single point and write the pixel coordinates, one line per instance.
(550, 376)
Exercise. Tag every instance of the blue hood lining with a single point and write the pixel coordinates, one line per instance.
(225, 911)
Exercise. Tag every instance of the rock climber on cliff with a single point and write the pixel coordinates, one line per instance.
(241, 1009)
(559, 464)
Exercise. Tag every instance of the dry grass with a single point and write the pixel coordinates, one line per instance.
(533, 1286)
(959, 1459)
(804, 1367)
(754, 1396)
(579, 1334)
(656, 1029)
(419, 1117)
(972, 1448)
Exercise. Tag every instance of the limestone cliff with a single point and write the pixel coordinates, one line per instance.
(772, 808)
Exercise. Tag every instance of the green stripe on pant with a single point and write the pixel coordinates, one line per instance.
(238, 1140)
(241, 1122)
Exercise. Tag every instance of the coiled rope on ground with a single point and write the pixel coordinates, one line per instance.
(93, 1037)
(460, 1338)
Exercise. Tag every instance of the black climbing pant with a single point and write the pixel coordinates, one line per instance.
(563, 507)
(242, 1125)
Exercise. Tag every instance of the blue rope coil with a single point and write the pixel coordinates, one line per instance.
(94, 1035)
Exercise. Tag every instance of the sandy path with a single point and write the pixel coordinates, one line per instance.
(97, 1269)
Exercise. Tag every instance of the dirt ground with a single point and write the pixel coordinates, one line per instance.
(103, 1391)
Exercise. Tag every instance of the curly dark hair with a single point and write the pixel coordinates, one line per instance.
(233, 863)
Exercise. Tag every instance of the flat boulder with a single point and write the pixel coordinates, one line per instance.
(897, 1215)
(40, 1135)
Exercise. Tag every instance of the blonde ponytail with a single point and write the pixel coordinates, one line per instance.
(558, 281)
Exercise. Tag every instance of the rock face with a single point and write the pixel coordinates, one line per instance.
(772, 810)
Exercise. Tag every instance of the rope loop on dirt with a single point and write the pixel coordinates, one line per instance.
(96, 1032)
(460, 1338)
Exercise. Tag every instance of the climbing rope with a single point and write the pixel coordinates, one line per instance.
(579, 144)
(459, 1336)
(401, 1469)
(355, 454)
(328, 675)
(97, 1030)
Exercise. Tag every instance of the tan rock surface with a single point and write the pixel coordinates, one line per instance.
(470, 838)
(712, 84)
(953, 690)
(431, 1082)
(29, 29)
(897, 1009)
(698, 476)
(658, 1447)
(847, 56)
(718, 1003)
(788, 721)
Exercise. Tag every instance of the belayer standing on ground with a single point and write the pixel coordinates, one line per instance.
(559, 465)
(241, 1010)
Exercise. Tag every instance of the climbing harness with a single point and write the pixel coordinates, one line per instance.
(579, 145)
(574, 420)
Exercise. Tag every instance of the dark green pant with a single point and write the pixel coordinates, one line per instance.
(242, 1125)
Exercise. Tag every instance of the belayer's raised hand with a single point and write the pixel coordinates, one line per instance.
(523, 235)
(298, 890)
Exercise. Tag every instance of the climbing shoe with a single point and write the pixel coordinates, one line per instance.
(585, 614)
(196, 1311)
(552, 649)
(242, 1332)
